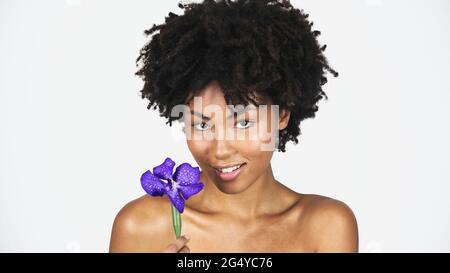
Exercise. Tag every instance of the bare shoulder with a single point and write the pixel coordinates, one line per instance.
(330, 224)
(141, 226)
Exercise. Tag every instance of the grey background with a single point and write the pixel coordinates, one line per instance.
(75, 135)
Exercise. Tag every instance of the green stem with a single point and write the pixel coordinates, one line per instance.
(176, 221)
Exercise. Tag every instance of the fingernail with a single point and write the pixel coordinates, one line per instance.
(187, 237)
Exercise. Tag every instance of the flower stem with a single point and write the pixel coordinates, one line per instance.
(176, 221)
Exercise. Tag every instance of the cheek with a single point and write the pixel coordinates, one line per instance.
(251, 149)
(258, 143)
(258, 160)
(198, 148)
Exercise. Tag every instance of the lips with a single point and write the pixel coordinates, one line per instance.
(229, 176)
(229, 168)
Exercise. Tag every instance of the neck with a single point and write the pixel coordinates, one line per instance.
(258, 199)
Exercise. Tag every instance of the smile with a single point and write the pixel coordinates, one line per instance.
(230, 169)
(229, 173)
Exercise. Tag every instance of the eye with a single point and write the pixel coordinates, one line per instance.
(244, 124)
(201, 126)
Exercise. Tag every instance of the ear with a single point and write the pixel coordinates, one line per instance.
(284, 119)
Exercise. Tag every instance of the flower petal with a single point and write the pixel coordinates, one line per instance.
(189, 190)
(165, 170)
(152, 184)
(175, 198)
(186, 175)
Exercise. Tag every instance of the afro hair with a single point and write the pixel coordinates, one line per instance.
(252, 48)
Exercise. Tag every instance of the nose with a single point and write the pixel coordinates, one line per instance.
(223, 149)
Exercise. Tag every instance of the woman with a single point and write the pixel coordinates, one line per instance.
(261, 54)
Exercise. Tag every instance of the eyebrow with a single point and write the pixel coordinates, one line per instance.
(199, 115)
(235, 113)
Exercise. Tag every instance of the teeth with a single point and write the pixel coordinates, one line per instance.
(230, 169)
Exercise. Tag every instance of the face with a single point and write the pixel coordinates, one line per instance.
(230, 144)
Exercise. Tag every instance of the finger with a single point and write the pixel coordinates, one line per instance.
(177, 245)
(171, 248)
(185, 249)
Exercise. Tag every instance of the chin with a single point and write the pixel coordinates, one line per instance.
(231, 187)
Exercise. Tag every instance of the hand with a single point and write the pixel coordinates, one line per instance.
(178, 246)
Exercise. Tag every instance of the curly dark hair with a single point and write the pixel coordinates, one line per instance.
(252, 48)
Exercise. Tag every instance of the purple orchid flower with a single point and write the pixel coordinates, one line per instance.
(180, 185)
